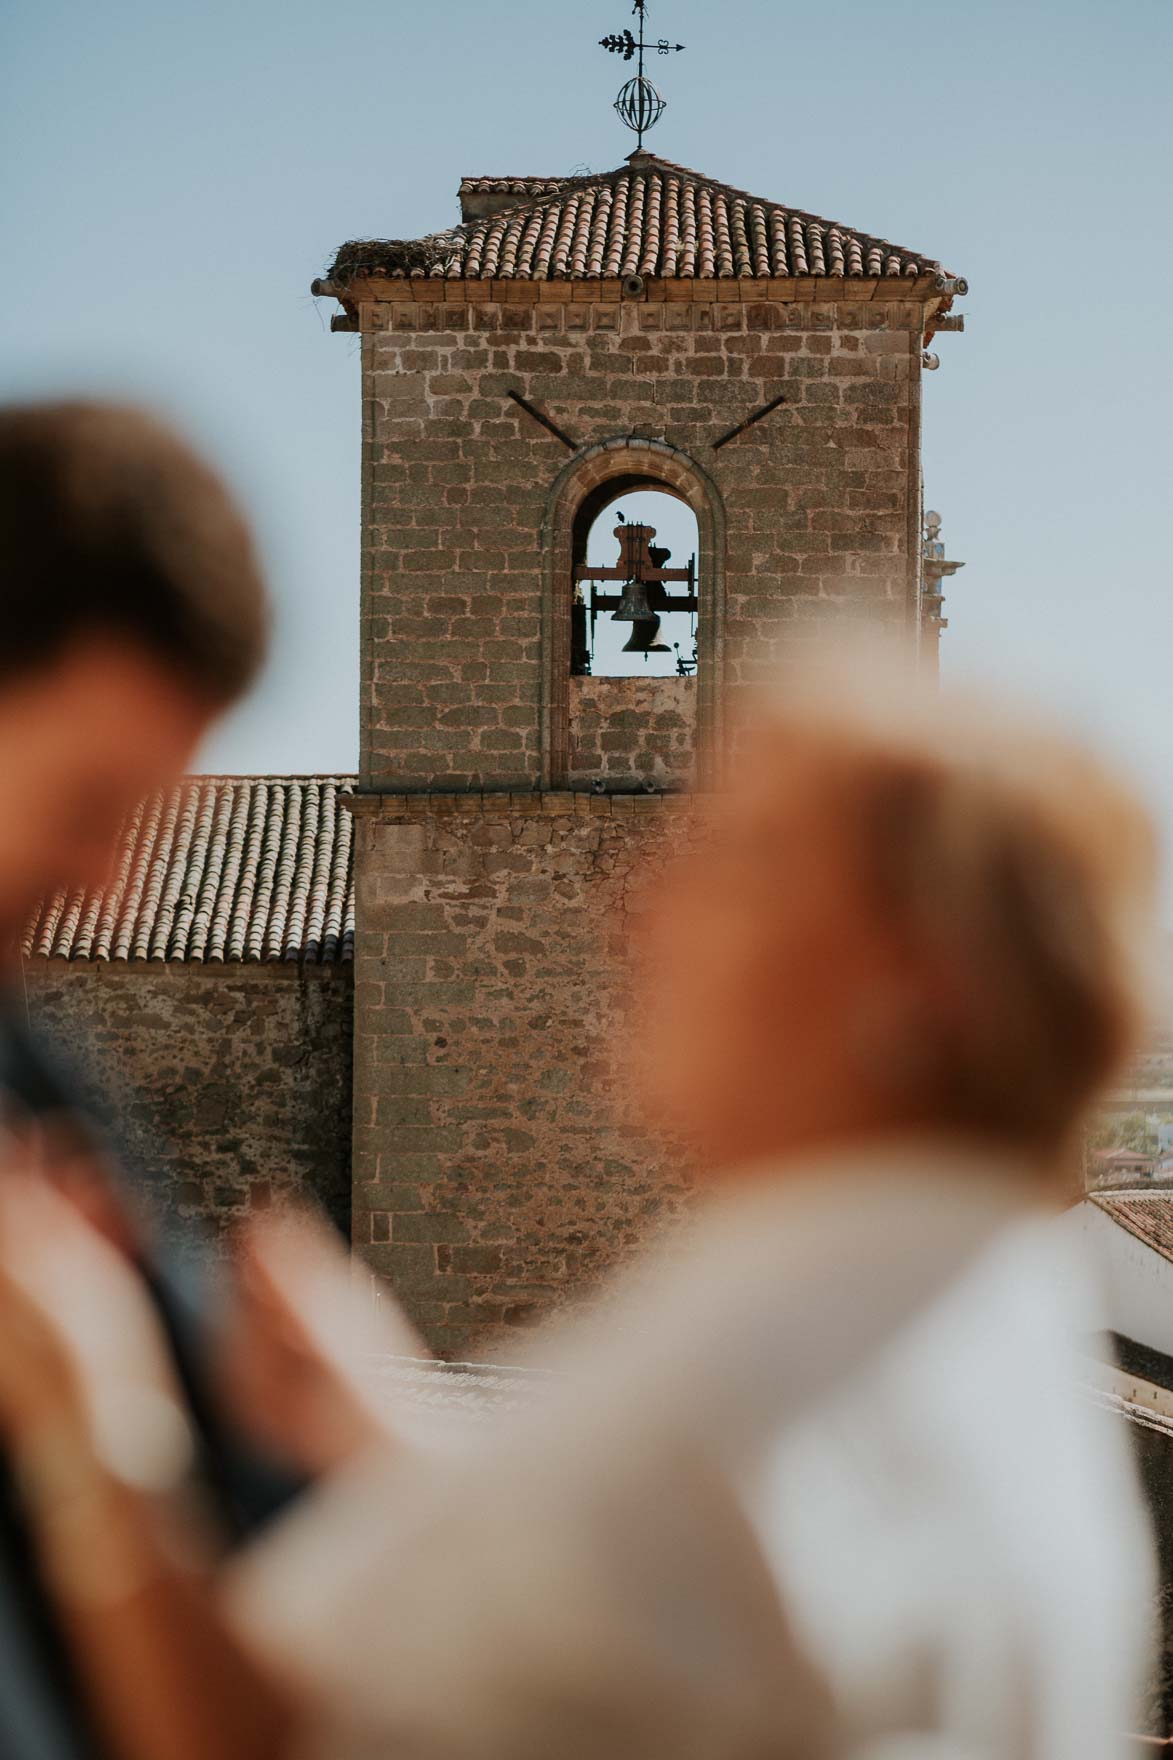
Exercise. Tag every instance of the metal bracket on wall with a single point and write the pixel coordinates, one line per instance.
(543, 420)
(748, 423)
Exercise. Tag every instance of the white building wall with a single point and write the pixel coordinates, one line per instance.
(1137, 1282)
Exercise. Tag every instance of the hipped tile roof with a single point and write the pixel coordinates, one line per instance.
(649, 217)
(1147, 1215)
(225, 868)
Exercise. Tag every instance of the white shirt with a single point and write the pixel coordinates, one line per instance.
(957, 1532)
(817, 1479)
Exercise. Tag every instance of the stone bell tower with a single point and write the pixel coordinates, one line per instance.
(572, 341)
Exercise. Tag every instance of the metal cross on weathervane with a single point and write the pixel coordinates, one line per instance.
(639, 104)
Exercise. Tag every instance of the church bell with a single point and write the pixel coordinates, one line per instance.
(645, 637)
(633, 605)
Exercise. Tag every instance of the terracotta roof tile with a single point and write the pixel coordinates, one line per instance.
(228, 868)
(519, 186)
(1147, 1215)
(649, 217)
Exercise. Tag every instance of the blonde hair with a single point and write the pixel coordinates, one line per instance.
(1014, 872)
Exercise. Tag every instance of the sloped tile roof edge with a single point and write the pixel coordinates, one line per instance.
(223, 870)
(547, 238)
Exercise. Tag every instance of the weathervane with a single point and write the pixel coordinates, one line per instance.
(639, 104)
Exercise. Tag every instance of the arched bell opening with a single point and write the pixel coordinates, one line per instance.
(619, 729)
(635, 605)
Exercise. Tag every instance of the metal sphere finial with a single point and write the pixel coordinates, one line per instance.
(639, 104)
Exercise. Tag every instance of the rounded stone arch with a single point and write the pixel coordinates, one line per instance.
(587, 482)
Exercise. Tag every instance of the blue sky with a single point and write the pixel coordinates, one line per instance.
(174, 178)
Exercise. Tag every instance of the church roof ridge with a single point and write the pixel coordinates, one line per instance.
(647, 216)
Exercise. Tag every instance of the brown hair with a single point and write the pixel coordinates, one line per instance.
(110, 524)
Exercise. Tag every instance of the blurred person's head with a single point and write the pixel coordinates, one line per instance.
(913, 915)
(133, 612)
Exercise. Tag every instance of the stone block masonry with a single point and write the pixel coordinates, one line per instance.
(820, 498)
(229, 1086)
(499, 1163)
(625, 732)
(500, 879)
